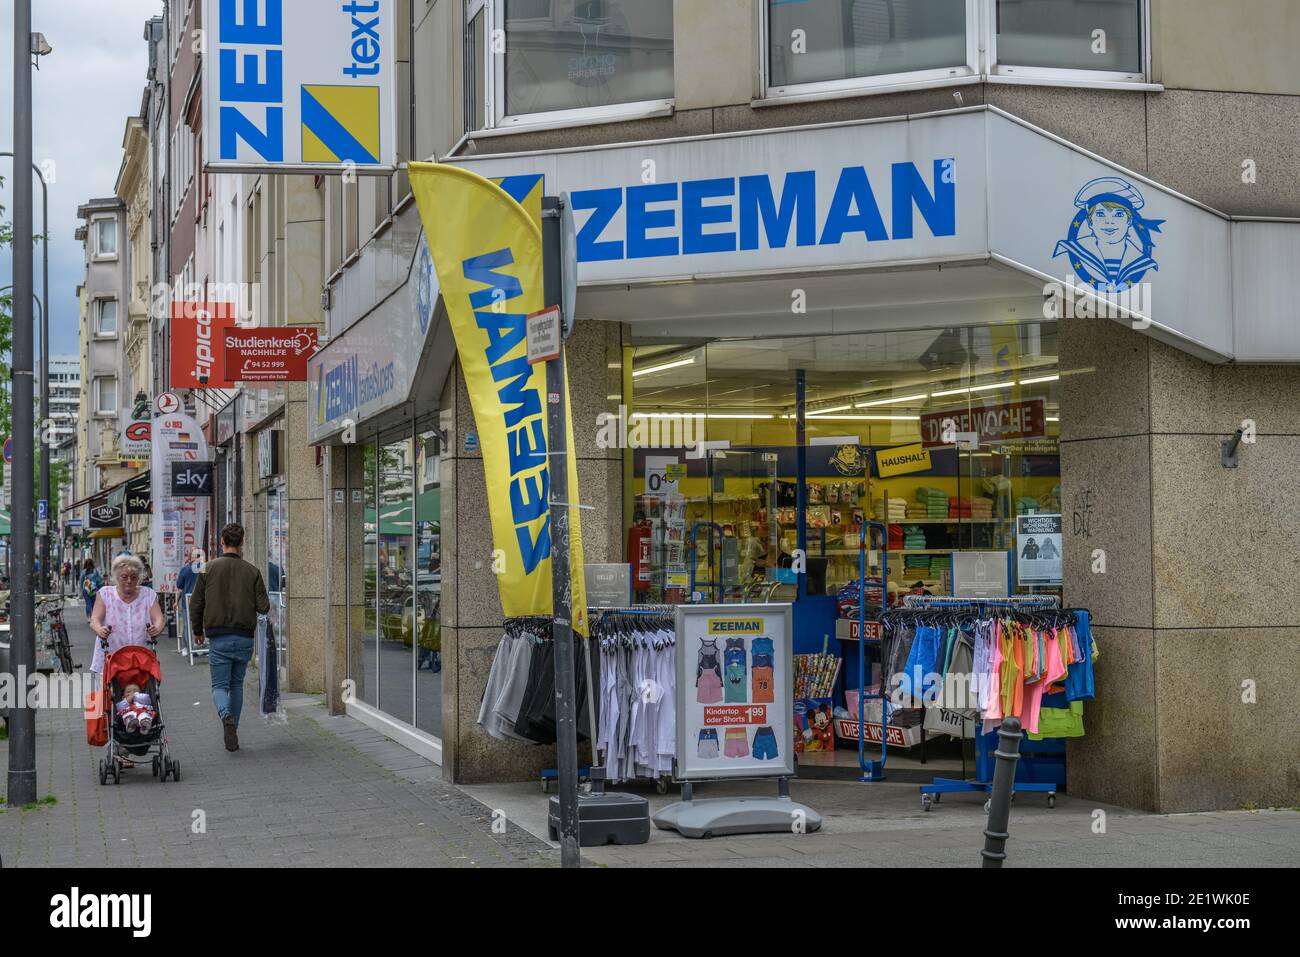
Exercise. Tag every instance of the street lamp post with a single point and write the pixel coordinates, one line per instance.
(22, 723)
(45, 366)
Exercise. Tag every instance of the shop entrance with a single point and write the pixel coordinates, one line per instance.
(947, 436)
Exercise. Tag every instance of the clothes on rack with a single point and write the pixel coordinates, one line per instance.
(519, 700)
(637, 732)
(988, 660)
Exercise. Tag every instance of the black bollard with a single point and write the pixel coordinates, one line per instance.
(1004, 779)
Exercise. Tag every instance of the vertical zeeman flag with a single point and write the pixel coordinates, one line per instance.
(487, 252)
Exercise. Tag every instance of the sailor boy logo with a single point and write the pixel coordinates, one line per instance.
(1109, 243)
(426, 290)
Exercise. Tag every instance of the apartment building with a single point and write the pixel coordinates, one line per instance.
(104, 299)
(65, 401)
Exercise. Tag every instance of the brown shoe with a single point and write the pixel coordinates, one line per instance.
(231, 733)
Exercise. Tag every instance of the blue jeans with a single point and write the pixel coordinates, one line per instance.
(228, 657)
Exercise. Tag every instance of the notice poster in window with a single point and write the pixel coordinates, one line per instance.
(735, 699)
(1038, 549)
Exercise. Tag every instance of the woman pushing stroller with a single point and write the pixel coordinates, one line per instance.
(126, 619)
(125, 613)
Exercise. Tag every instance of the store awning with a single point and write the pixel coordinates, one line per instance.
(119, 490)
(5, 528)
(108, 533)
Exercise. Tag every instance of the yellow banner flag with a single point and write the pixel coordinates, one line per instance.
(486, 243)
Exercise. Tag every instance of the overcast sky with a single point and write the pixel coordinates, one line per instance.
(82, 96)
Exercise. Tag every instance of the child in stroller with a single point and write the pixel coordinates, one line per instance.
(135, 710)
(132, 679)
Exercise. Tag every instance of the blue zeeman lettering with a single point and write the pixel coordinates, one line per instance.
(938, 210)
(605, 204)
(763, 220)
(267, 33)
(695, 216)
(520, 397)
(798, 198)
(641, 220)
(853, 190)
(238, 25)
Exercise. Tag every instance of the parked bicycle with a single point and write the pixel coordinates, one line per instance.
(52, 642)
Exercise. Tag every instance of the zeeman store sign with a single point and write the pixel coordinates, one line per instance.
(300, 84)
(755, 203)
(976, 187)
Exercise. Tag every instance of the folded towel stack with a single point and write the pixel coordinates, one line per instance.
(895, 510)
(935, 501)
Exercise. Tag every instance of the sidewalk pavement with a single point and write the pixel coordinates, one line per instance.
(317, 791)
(883, 825)
(326, 790)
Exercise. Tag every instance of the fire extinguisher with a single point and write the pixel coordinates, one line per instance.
(638, 554)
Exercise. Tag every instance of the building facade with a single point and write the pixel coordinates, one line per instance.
(828, 222)
(105, 296)
(830, 229)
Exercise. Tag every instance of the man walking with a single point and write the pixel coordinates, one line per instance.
(228, 596)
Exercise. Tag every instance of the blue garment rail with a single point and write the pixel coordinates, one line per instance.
(872, 771)
(986, 744)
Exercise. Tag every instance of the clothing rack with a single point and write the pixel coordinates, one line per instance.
(1012, 601)
(984, 748)
(598, 618)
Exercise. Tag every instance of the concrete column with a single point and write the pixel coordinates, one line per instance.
(306, 566)
(343, 572)
(1197, 611)
(471, 605)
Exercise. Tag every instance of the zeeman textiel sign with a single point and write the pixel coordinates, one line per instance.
(300, 84)
(902, 460)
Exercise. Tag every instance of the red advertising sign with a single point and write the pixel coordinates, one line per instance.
(735, 714)
(993, 423)
(196, 329)
(269, 355)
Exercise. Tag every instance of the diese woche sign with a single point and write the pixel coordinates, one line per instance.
(992, 423)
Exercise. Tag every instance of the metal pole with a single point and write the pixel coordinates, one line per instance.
(1004, 779)
(45, 384)
(45, 363)
(22, 722)
(566, 705)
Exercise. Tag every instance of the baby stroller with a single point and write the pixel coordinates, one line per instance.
(134, 665)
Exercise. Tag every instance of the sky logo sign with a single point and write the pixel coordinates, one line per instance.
(250, 80)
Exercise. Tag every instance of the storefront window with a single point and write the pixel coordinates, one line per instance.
(825, 40)
(363, 651)
(1071, 34)
(394, 532)
(428, 579)
(972, 412)
(584, 54)
(396, 558)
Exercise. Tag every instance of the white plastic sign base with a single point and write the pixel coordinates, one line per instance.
(715, 817)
